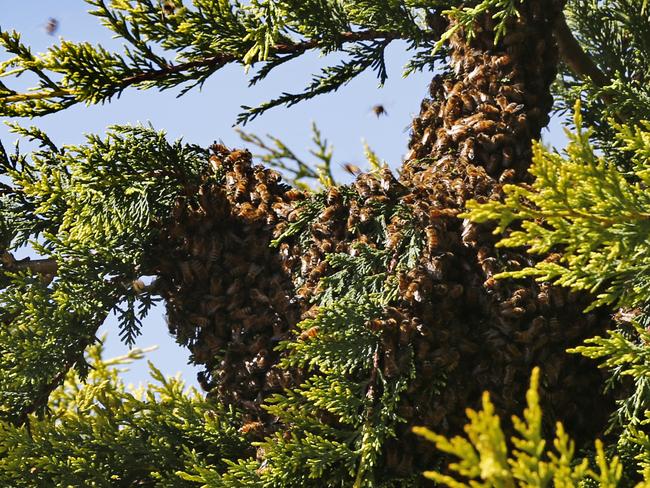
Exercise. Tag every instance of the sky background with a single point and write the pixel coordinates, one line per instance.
(345, 118)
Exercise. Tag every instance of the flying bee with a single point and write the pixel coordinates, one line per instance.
(51, 26)
(353, 169)
(379, 110)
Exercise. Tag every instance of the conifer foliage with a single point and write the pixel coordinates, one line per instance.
(331, 320)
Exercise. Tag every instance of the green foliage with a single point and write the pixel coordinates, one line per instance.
(484, 458)
(209, 35)
(101, 433)
(587, 209)
(347, 383)
(295, 170)
(593, 218)
(465, 18)
(92, 211)
(614, 34)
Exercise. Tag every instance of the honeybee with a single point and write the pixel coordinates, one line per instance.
(333, 195)
(309, 333)
(489, 110)
(468, 102)
(379, 110)
(329, 212)
(432, 237)
(484, 126)
(294, 194)
(251, 427)
(51, 26)
(458, 131)
(502, 61)
(353, 169)
(168, 8)
(391, 369)
(453, 108)
(426, 136)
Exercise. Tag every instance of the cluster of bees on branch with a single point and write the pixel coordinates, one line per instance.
(231, 298)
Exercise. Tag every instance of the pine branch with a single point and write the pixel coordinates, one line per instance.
(575, 57)
(60, 96)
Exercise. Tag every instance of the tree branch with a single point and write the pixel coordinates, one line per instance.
(575, 57)
(214, 62)
(221, 59)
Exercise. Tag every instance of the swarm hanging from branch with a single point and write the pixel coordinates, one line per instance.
(335, 321)
(448, 330)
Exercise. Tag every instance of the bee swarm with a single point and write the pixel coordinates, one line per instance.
(231, 297)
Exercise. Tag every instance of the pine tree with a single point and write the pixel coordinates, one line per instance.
(332, 319)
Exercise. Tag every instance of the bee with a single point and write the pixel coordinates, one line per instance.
(489, 110)
(308, 334)
(426, 136)
(294, 194)
(432, 237)
(251, 427)
(458, 131)
(502, 61)
(478, 73)
(333, 195)
(262, 190)
(467, 149)
(138, 286)
(329, 212)
(379, 110)
(410, 155)
(484, 126)
(513, 92)
(51, 26)
(453, 108)
(470, 233)
(391, 369)
(413, 292)
(248, 212)
(468, 102)
(168, 8)
(353, 169)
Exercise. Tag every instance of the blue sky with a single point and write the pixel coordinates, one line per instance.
(345, 119)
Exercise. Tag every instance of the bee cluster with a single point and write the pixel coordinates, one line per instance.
(228, 296)
(231, 297)
(494, 101)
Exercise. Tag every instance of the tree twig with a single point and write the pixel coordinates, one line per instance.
(575, 57)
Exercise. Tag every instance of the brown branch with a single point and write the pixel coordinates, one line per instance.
(581, 63)
(42, 266)
(575, 57)
(219, 60)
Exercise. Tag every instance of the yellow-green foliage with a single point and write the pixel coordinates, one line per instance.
(484, 458)
(102, 433)
(582, 205)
